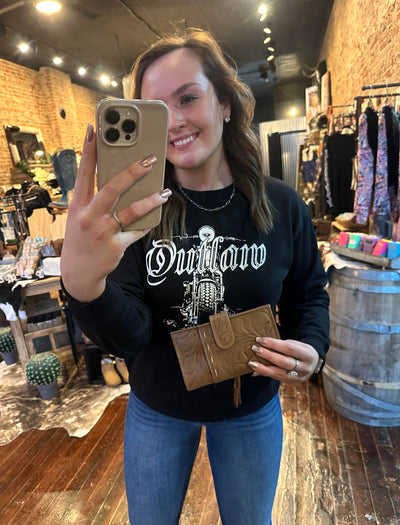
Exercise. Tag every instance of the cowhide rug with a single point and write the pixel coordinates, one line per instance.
(77, 408)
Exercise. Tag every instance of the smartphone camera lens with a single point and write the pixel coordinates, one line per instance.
(112, 116)
(112, 135)
(129, 125)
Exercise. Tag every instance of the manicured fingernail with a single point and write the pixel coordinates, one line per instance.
(256, 349)
(253, 364)
(148, 161)
(165, 193)
(89, 133)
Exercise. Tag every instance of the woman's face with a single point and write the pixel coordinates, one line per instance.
(196, 116)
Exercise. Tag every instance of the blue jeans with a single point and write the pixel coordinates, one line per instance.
(159, 452)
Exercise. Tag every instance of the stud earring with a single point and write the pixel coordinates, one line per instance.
(227, 119)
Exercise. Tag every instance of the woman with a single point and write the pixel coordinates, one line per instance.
(229, 240)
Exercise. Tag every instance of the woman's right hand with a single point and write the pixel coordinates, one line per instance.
(93, 243)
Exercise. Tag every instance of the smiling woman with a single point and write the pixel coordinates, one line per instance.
(229, 241)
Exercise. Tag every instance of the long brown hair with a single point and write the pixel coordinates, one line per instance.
(241, 143)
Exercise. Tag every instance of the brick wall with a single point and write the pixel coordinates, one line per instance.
(362, 46)
(33, 99)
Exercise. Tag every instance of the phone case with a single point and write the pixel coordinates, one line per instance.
(129, 130)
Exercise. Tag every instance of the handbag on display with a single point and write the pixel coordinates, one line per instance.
(220, 350)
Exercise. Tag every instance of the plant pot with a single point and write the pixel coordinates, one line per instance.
(10, 358)
(48, 391)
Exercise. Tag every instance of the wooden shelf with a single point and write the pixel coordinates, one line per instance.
(376, 260)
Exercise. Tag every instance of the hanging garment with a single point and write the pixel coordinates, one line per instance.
(326, 194)
(65, 168)
(396, 213)
(341, 149)
(392, 135)
(381, 194)
(309, 162)
(367, 152)
(275, 155)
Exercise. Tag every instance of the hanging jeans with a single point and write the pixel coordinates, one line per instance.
(65, 167)
(159, 452)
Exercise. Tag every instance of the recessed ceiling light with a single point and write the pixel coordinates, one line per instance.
(262, 10)
(267, 30)
(48, 6)
(57, 61)
(267, 40)
(82, 71)
(114, 83)
(23, 47)
(104, 80)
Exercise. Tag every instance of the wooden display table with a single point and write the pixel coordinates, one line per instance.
(375, 260)
(24, 340)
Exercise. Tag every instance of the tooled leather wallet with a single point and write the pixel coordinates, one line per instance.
(220, 350)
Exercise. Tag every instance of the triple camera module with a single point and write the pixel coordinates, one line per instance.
(121, 126)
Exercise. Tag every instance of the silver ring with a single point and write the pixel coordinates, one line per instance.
(293, 372)
(115, 216)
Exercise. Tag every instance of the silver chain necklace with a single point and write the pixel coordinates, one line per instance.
(218, 208)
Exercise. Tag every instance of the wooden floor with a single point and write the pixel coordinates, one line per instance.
(334, 472)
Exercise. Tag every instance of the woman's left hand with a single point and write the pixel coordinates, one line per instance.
(291, 361)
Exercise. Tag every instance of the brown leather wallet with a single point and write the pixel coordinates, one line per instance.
(220, 350)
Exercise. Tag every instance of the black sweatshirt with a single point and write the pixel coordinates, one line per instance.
(223, 262)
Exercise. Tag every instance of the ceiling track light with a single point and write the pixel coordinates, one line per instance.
(267, 30)
(270, 57)
(48, 7)
(24, 47)
(267, 40)
(262, 10)
(27, 45)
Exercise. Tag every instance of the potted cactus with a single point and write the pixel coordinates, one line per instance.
(8, 349)
(43, 370)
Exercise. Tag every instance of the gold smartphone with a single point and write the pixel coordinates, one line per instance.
(129, 130)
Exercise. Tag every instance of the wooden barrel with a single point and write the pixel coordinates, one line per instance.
(362, 372)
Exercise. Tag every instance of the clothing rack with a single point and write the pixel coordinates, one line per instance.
(359, 99)
(381, 86)
(343, 106)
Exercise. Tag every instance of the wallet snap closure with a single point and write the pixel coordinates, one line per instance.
(222, 329)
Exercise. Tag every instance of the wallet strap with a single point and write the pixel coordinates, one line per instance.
(222, 329)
